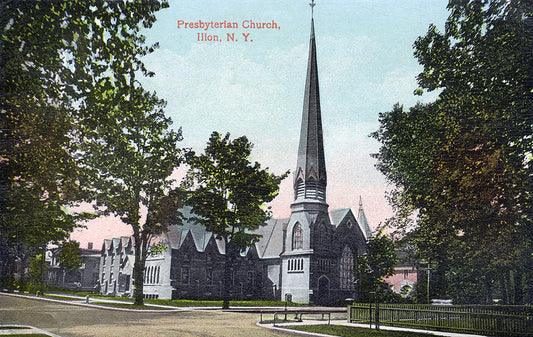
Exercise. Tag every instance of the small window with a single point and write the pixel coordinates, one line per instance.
(297, 237)
(185, 275)
(295, 265)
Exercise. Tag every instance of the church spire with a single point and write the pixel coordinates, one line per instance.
(363, 221)
(310, 177)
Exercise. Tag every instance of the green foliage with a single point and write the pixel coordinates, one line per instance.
(462, 164)
(158, 248)
(69, 255)
(76, 124)
(349, 331)
(374, 266)
(37, 271)
(230, 194)
(56, 60)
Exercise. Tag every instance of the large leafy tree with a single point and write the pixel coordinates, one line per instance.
(230, 194)
(463, 163)
(38, 175)
(132, 162)
(69, 82)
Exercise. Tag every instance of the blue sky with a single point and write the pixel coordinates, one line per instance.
(365, 63)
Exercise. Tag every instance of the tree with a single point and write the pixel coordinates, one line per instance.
(230, 195)
(462, 164)
(68, 83)
(37, 270)
(69, 255)
(374, 266)
(56, 60)
(132, 163)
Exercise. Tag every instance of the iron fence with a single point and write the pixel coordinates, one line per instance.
(486, 320)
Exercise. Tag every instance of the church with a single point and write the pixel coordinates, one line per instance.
(307, 258)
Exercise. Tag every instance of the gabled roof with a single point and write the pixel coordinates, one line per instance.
(200, 235)
(118, 242)
(337, 215)
(271, 242)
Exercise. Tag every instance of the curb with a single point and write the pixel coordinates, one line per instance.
(291, 331)
(23, 329)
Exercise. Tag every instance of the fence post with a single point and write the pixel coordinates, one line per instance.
(370, 314)
(377, 315)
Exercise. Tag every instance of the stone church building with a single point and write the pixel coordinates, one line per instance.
(307, 258)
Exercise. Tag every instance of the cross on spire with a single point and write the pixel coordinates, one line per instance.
(312, 4)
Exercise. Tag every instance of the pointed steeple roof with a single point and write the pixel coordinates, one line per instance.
(363, 221)
(310, 176)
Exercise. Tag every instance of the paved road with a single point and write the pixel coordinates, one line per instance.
(69, 320)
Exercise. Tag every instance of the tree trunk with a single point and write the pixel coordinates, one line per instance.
(227, 276)
(518, 298)
(505, 287)
(488, 287)
(138, 269)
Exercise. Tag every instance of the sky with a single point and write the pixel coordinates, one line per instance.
(253, 85)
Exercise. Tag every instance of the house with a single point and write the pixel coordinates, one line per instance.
(84, 278)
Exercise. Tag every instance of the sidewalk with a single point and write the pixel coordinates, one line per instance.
(282, 327)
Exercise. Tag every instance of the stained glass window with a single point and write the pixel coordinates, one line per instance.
(346, 268)
(297, 237)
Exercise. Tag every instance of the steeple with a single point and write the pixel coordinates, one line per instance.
(363, 221)
(310, 176)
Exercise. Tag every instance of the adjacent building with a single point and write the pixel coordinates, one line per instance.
(84, 278)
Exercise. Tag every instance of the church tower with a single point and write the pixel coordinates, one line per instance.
(309, 211)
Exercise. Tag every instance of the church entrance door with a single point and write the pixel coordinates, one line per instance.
(323, 289)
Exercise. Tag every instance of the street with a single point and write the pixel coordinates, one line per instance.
(70, 320)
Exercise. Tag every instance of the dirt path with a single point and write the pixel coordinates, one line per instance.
(69, 320)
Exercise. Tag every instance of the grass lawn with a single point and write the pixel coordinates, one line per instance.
(348, 331)
(176, 303)
(128, 306)
(214, 303)
(60, 297)
(62, 294)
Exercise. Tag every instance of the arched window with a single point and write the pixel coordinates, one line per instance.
(346, 268)
(297, 237)
(322, 236)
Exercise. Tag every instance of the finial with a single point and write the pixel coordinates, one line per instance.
(312, 4)
(360, 201)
